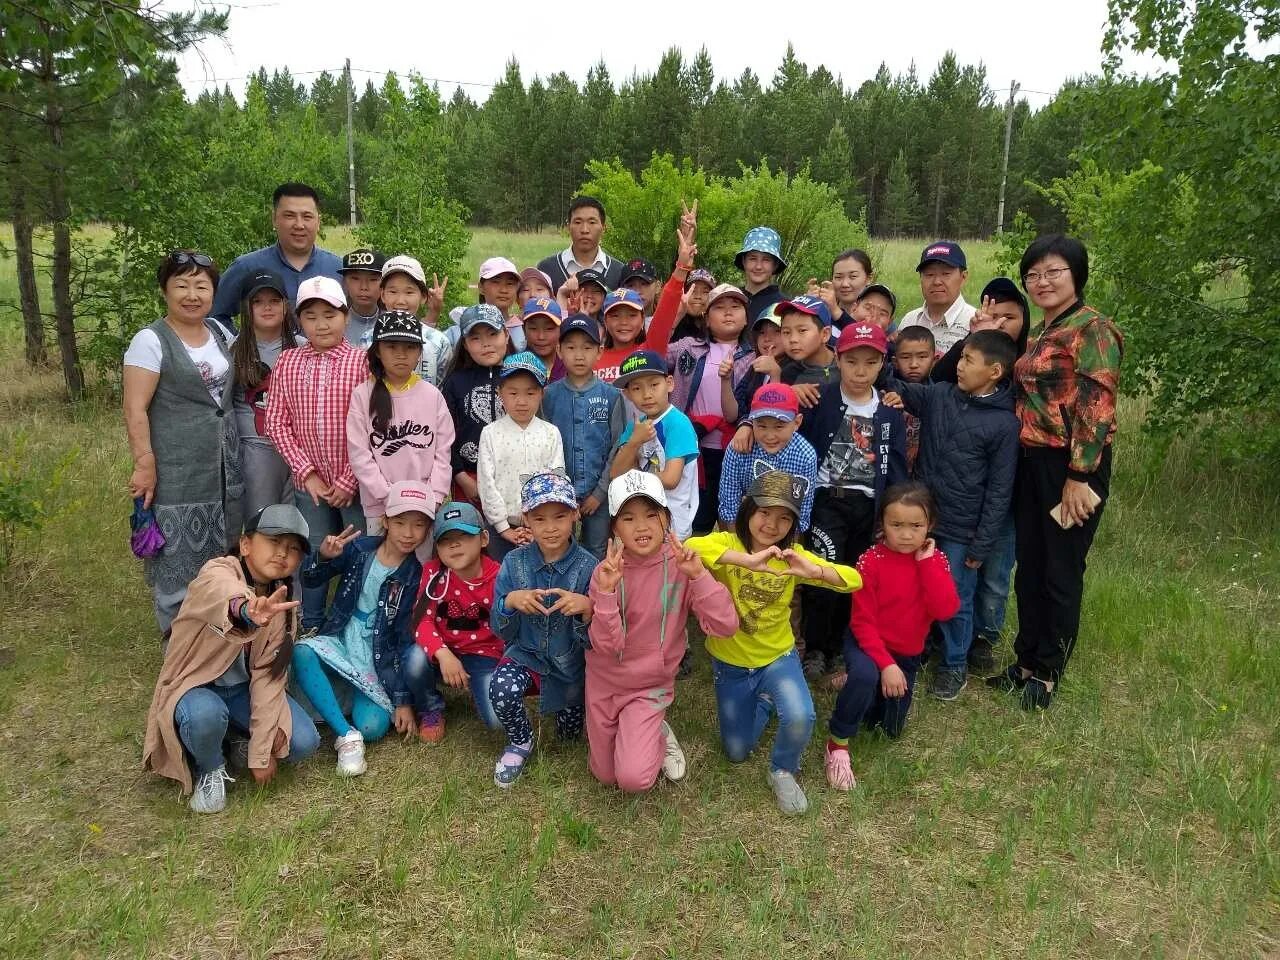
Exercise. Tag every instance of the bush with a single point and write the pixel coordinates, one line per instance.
(30, 495)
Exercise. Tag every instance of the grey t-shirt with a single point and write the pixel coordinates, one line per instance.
(359, 329)
(244, 406)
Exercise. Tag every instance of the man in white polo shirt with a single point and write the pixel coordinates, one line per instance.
(943, 271)
(586, 224)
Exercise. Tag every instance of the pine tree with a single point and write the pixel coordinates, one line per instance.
(902, 214)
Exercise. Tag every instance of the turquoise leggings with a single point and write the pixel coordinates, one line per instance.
(316, 682)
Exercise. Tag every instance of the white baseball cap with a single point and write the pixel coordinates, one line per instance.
(406, 265)
(321, 288)
(635, 483)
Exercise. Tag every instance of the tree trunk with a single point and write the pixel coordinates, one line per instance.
(60, 213)
(28, 293)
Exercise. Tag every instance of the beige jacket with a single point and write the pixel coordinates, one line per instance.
(202, 646)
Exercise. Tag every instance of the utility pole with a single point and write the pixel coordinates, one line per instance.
(351, 146)
(1004, 169)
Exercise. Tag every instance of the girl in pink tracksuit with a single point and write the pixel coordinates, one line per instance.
(642, 594)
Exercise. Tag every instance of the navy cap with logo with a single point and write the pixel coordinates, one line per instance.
(943, 251)
(813, 306)
(365, 258)
(640, 269)
(591, 275)
(580, 323)
(262, 280)
(397, 325)
(639, 364)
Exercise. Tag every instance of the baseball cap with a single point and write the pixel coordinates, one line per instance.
(406, 265)
(481, 314)
(397, 325)
(700, 276)
(582, 324)
(640, 268)
(496, 267)
(774, 400)
(769, 314)
(777, 488)
(638, 364)
(943, 251)
(542, 307)
(813, 306)
(632, 484)
(591, 275)
(321, 288)
(366, 258)
(547, 488)
(526, 361)
(862, 335)
(280, 518)
(622, 297)
(881, 289)
(407, 495)
(458, 515)
(725, 290)
(262, 280)
(1003, 289)
(533, 273)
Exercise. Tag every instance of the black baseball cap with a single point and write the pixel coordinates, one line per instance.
(943, 251)
(881, 289)
(262, 280)
(591, 275)
(397, 325)
(640, 268)
(1002, 290)
(581, 323)
(366, 258)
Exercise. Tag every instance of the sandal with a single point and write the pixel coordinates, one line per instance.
(510, 764)
(840, 770)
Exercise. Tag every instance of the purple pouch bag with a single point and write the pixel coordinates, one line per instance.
(147, 541)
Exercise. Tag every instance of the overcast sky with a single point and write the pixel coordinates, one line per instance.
(471, 42)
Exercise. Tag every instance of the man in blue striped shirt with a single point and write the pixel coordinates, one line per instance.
(774, 419)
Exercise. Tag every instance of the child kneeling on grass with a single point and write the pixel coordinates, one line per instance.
(361, 649)
(642, 595)
(226, 666)
(756, 669)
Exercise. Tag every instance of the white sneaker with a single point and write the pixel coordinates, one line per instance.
(673, 763)
(791, 799)
(350, 754)
(210, 794)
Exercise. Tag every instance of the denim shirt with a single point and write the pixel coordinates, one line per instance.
(226, 301)
(392, 621)
(590, 420)
(550, 646)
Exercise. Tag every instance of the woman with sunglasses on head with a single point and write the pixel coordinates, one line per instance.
(181, 430)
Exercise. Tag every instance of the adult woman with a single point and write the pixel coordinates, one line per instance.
(1067, 383)
(182, 434)
(851, 273)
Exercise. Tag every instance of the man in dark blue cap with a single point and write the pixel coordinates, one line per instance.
(943, 270)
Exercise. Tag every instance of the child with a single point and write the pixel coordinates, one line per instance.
(471, 390)
(363, 646)
(591, 417)
(968, 457)
(361, 272)
(398, 427)
(584, 292)
(534, 285)
(906, 587)
(775, 418)
(913, 358)
(267, 328)
(499, 285)
(516, 445)
(876, 304)
(404, 287)
(663, 441)
(641, 276)
(642, 595)
(540, 321)
(692, 319)
(760, 261)
(226, 666)
(765, 337)
(757, 672)
(861, 450)
(452, 618)
(307, 420)
(541, 612)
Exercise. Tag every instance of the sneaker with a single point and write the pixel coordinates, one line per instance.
(237, 752)
(210, 794)
(431, 726)
(947, 684)
(673, 762)
(791, 799)
(350, 749)
(1009, 680)
(511, 763)
(982, 656)
(840, 770)
(1036, 695)
(308, 633)
(686, 664)
(815, 664)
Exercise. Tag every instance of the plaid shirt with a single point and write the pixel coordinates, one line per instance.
(307, 411)
(1067, 387)
(797, 458)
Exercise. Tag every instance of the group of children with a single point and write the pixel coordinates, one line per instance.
(534, 500)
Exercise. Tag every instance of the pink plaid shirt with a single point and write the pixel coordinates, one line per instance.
(307, 411)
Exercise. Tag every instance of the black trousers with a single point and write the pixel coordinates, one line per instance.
(841, 529)
(704, 521)
(1051, 561)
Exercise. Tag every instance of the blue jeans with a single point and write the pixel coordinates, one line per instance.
(957, 633)
(203, 715)
(595, 531)
(994, 577)
(322, 521)
(860, 702)
(747, 697)
(423, 677)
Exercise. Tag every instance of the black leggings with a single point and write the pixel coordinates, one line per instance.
(507, 689)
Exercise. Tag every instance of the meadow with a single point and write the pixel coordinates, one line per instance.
(1137, 818)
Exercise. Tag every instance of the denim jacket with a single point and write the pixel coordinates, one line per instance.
(590, 421)
(550, 646)
(392, 621)
(821, 423)
(687, 361)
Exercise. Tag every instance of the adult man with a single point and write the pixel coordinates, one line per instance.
(943, 270)
(295, 215)
(586, 226)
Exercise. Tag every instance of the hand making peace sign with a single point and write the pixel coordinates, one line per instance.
(333, 545)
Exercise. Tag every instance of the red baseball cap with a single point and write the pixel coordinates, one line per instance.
(774, 400)
(862, 335)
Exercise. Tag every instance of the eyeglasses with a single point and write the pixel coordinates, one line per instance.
(1052, 274)
(181, 258)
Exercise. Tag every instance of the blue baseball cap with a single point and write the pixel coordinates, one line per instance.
(458, 515)
(526, 361)
(813, 306)
(547, 487)
(639, 364)
(542, 307)
(481, 314)
(581, 323)
(943, 251)
(622, 296)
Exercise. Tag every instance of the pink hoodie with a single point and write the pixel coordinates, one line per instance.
(415, 446)
(631, 656)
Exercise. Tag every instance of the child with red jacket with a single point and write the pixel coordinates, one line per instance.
(906, 586)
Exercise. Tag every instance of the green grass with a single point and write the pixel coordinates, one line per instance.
(1137, 818)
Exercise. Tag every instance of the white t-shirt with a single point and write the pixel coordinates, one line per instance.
(850, 462)
(144, 352)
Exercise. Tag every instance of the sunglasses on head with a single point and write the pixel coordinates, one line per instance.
(181, 258)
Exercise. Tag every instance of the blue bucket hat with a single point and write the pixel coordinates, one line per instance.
(762, 240)
(526, 361)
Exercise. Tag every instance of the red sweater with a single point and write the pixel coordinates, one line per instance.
(459, 619)
(900, 599)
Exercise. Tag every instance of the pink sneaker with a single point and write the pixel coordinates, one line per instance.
(839, 770)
